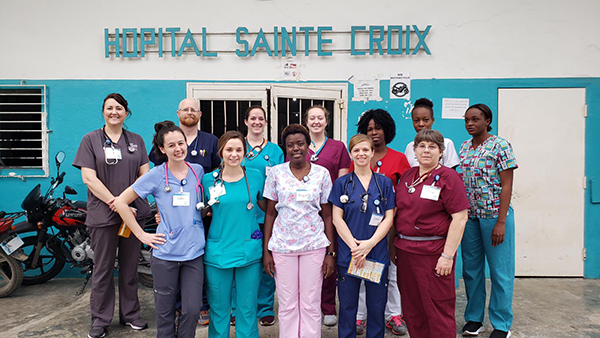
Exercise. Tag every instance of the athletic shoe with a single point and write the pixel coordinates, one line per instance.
(500, 334)
(472, 329)
(267, 320)
(137, 324)
(232, 320)
(329, 320)
(203, 318)
(397, 324)
(360, 326)
(97, 332)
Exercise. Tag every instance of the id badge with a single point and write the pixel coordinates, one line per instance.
(216, 191)
(431, 192)
(112, 154)
(181, 199)
(302, 195)
(376, 219)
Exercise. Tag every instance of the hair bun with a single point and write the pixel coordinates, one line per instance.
(424, 102)
(163, 124)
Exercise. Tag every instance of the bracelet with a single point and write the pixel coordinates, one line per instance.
(447, 256)
(331, 253)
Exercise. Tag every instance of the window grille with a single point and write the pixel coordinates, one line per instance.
(219, 116)
(23, 140)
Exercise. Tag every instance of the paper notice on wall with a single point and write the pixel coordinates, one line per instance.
(366, 90)
(400, 86)
(454, 108)
(290, 69)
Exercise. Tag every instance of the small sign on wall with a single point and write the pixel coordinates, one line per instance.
(400, 86)
(454, 108)
(366, 90)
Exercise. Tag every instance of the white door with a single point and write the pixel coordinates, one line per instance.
(547, 130)
(289, 102)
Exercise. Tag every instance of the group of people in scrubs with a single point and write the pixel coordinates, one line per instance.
(380, 227)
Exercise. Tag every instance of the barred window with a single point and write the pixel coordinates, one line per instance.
(23, 127)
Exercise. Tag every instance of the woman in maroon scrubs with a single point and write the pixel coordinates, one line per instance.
(432, 212)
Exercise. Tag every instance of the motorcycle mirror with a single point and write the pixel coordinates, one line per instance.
(70, 191)
(60, 157)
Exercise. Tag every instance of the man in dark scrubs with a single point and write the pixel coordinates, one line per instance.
(202, 149)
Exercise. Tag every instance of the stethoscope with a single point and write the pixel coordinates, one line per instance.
(315, 156)
(218, 175)
(194, 151)
(346, 199)
(253, 153)
(199, 190)
(109, 143)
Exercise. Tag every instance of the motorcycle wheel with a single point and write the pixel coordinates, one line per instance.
(11, 274)
(48, 265)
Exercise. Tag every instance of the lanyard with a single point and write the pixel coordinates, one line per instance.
(315, 156)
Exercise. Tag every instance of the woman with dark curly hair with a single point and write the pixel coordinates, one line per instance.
(379, 125)
(298, 239)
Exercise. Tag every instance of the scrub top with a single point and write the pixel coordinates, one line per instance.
(298, 226)
(116, 177)
(480, 169)
(205, 146)
(333, 155)
(420, 217)
(269, 156)
(181, 225)
(357, 221)
(234, 239)
(393, 164)
(449, 157)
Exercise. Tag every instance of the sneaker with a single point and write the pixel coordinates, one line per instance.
(329, 320)
(267, 320)
(360, 326)
(137, 324)
(397, 324)
(472, 329)
(203, 318)
(232, 320)
(500, 334)
(97, 332)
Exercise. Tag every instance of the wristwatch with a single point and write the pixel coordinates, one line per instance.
(331, 253)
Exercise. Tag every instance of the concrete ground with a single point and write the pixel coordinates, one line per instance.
(543, 308)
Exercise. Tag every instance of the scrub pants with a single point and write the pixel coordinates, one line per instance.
(102, 299)
(376, 296)
(218, 285)
(428, 299)
(476, 246)
(299, 280)
(172, 279)
(266, 296)
(393, 306)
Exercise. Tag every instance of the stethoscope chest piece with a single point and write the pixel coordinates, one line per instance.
(199, 205)
(314, 158)
(194, 152)
(249, 206)
(344, 199)
(168, 188)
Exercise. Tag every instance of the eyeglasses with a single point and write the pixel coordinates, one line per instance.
(363, 206)
(430, 147)
(188, 110)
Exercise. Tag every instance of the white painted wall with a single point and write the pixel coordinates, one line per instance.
(469, 38)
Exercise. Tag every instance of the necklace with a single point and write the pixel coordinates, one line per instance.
(418, 180)
(303, 174)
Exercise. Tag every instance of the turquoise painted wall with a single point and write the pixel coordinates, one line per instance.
(74, 108)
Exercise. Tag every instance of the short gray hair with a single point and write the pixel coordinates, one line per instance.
(429, 135)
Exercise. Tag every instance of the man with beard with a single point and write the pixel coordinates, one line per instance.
(202, 147)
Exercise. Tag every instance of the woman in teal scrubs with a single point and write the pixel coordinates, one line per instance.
(262, 155)
(233, 251)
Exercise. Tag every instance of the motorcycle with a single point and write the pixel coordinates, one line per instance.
(11, 271)
(60, 235)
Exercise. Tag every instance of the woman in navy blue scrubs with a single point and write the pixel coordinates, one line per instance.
(363, 212)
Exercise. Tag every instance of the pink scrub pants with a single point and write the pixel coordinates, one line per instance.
(299, 279)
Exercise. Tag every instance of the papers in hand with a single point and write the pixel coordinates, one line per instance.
(371, 271)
